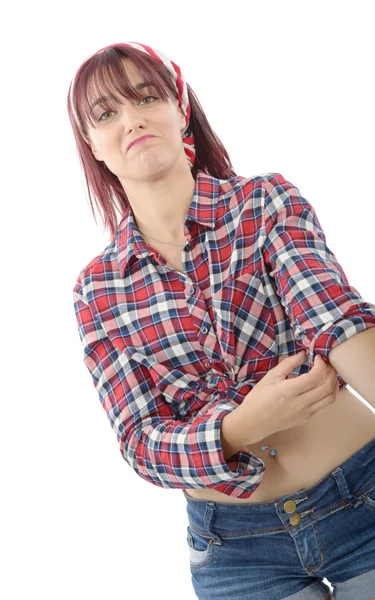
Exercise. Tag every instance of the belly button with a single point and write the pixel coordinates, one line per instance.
(272, 451)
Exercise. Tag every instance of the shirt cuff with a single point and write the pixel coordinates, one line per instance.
(241, 473)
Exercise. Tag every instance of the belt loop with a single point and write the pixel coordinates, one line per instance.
(344, 490)
(208, 514)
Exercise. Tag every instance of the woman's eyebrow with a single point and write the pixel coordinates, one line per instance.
(138, 86)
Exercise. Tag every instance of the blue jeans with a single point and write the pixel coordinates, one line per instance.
(285, 547)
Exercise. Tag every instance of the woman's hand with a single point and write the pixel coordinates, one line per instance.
(277, 403)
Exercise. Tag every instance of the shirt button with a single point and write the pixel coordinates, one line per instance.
(204, 330)
(191, 291)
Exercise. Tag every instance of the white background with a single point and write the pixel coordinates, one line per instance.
(288, 87)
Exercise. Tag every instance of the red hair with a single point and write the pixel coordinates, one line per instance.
(105, 71)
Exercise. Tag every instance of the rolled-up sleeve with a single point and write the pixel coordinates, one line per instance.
(323, 308)
(166, 452)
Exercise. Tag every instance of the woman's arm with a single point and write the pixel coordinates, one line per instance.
(354, 359)
(325, 311)
(163, 450)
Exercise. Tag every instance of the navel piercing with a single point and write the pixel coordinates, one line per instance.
(272, 452)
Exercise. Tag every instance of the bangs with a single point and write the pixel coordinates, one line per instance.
(105, 76)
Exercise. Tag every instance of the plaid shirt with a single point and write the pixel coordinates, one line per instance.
(171, 353)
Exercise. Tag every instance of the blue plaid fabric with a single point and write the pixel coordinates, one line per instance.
(171, 353)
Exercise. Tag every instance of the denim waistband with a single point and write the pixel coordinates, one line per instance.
(345, 485)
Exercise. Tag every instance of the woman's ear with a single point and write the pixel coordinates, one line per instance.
(95, 152)
(182, 121)
(92, 147)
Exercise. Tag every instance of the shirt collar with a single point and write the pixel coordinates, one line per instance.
(202, 210)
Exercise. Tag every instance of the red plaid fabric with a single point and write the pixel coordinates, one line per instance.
(171, 353)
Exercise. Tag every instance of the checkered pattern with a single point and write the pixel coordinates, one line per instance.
(171, 353)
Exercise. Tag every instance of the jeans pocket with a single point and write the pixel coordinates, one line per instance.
(201, 548)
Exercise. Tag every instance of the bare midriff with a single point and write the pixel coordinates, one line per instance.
(305, 454)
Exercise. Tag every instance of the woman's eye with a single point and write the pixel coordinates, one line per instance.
(148, 97)
(107, 113)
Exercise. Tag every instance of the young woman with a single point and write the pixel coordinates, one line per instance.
(192, 321)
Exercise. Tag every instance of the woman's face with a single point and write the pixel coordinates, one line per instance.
(131, 119)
